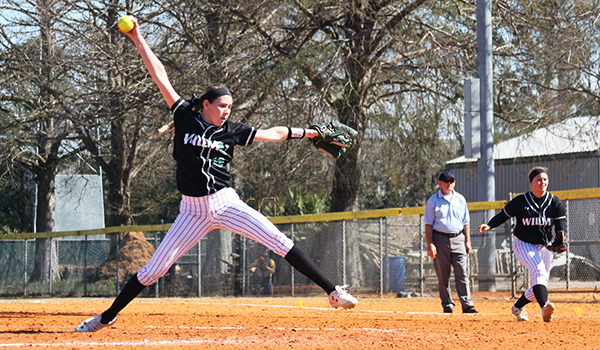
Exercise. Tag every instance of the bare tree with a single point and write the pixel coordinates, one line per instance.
(116, 116)
(546, 59)
(35, 127)
(361, 58)
(116, 109)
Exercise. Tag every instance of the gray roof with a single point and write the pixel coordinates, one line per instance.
(574, 135)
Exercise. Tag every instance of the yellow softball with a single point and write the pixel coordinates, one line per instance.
(125, 23)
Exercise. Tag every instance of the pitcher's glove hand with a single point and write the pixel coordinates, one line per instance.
(334, 151)
(334, 138)
(560, 244)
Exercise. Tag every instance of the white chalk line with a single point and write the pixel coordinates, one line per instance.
(144, 342)
(367, 329)
(307, 307)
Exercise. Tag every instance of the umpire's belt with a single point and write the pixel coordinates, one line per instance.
(451, 235)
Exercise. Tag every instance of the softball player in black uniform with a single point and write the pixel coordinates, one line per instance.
(203, 146)
(536, 212)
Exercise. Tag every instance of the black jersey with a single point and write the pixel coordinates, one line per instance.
(203, 150)
(535, 217)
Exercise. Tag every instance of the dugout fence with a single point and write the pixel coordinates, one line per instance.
(381, 252)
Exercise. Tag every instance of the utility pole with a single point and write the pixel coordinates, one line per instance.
(486, 188)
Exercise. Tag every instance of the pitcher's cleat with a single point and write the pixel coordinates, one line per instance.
(520, 313)
(93, 324)
(547, 311)
(341, 298)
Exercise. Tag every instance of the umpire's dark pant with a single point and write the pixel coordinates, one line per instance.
(451, 252)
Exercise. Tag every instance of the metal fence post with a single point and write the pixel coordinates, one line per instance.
(85, 261)
(244, 263)
(344, 252)
(422, 256)
(381, 257)
(118, 285)
(292, 268)
(50, 268)
(513, 263)
(25, 271)
(199, 268)
(568, 277)
(386, 273)
(513, 268)
(155, 247)
(386, 254)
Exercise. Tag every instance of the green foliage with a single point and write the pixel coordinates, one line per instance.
(16, 207)
(59, 287)
(73, 287)
(301, 200)
(102, 288)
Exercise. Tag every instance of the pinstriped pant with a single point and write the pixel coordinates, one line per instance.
(200, 215)
(536, 258)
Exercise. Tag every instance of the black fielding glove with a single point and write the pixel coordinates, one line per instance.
(559, 245)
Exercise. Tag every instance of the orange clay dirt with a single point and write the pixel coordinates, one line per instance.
(300, 323)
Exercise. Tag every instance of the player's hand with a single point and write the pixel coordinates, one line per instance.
(483, 227)
(135, 31)
(468, 247)
(431, 251)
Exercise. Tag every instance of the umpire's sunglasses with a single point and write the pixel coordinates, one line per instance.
(448, 181)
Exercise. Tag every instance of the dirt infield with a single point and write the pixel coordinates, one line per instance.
(300, 323)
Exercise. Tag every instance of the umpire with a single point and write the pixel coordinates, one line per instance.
(449, 241)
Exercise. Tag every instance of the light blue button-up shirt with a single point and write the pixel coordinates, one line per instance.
(448, 214)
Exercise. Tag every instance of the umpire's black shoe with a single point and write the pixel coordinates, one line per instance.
(470, 310)
(448, 309)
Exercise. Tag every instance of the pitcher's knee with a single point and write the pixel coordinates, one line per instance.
(148, 276)
(540, 277)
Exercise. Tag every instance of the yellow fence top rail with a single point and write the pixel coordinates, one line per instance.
(472, 206)
(346, 215)
(574, 194)
(350, 215)
(99, 231)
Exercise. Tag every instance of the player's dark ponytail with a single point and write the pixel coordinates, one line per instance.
(194, 101)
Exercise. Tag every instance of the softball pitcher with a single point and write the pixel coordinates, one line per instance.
(203, 146)
(536, 211)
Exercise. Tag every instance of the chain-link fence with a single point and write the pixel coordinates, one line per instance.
(377, 255)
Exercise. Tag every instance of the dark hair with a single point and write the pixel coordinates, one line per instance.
(196, 101)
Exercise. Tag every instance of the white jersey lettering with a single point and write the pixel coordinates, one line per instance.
(199, 141)
(537, 221)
